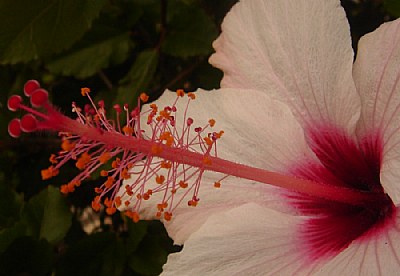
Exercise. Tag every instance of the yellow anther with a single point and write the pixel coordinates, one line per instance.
(85, 91)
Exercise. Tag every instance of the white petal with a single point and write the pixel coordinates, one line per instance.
(298, 51)
(259, 131)
(248, 240)
(378, 256)
(377, 75)
(233, 192)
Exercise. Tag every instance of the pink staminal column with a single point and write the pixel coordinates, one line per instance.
(166, 159)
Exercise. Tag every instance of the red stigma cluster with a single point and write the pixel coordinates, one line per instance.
(143, 156)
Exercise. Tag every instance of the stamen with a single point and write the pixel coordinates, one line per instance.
(165, 160)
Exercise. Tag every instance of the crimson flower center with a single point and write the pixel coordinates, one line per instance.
(344, 162)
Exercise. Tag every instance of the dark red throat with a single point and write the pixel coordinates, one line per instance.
(341, 161)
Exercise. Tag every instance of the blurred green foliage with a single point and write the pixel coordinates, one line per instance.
(119, 48)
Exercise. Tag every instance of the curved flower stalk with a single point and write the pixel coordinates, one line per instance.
(294, 112)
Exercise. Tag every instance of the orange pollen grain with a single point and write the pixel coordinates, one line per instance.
(180, 93)
(192, 203)
(191, 95)
(127, 130)
(53, 159)
(110, 210)
(208, 141)
(167, 216)
(206, 160)
(156, 149)
(125, 175)
(183, 184)
(115, 163)
(146, 196)
(83, 160)
(109, 182)
(85, 91)
(166, 164)
(211, 122)
(154, 107)
(107, 202)
(160, 179)
(64, 189)
(104, 157)
(219, 134)
(217, 184)
(49, 173)
(135, 217)
(66, 145)
(164, 114)
(103, 173)
(144, 97)
(118, 201)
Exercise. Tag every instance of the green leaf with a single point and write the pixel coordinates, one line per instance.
(47, 215)
(136, 232)
(8, 235)
(97, 254)
(26, 256)
(98, 49)
(10, 204)
(32, 29)
(150, 257)
(152, 252)
(393, 7)
(190, 32)
(138, 78)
